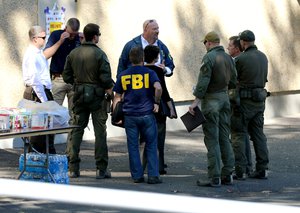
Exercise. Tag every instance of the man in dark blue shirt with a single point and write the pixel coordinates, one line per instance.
(58, 47)
(141, 91)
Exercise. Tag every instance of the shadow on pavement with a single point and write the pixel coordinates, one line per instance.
(185, 155)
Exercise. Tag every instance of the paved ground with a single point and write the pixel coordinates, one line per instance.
(186, 160)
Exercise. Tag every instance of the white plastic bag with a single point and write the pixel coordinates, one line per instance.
(60, 114)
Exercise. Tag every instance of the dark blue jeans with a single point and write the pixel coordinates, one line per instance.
(146, 126)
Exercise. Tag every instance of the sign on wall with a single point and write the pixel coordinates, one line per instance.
(55, 19)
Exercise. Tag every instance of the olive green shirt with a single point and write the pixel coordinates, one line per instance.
(217, 73)
(88, 64)
(252, 68)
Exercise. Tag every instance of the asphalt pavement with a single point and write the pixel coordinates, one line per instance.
(185, 156)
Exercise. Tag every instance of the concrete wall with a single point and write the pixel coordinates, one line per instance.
(183, 23)
(182, 26)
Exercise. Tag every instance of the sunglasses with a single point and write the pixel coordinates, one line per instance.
(150, 21)
(42, 37)
(204, 42)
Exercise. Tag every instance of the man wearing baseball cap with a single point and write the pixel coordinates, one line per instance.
(217, 74)
(252, 71)
(247, 36)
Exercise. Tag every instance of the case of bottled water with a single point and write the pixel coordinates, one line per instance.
(36, 167)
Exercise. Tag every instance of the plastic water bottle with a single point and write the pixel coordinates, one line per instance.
(36, 170)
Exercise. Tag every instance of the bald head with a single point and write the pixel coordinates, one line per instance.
(150, 30)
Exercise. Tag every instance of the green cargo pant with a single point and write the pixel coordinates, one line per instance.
(236, 120)
(249, 121)
(216, 109)
(99, 118)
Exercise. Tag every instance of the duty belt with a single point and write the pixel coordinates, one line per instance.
(245, 93)
(55, 75)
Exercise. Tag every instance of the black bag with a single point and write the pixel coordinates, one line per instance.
(117, 115)
(165, 110)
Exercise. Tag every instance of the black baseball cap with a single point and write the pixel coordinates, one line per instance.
(247, 35)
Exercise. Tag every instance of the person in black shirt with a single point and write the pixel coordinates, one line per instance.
(151, 56)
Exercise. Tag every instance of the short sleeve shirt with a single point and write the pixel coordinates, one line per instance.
(59, 58)
(137, 85)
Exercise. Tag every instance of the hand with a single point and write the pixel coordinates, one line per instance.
(193, 105)
(162, 65)
(119, 122)
(64, 35)
(191, 109)
(172, 114)
(81, 36)
(156, 108)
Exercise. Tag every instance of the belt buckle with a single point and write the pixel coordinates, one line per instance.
(56, 75)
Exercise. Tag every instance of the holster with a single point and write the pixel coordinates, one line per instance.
(259, 94)
(28, 93)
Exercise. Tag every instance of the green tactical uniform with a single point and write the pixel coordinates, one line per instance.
(217, 73)
(252, 70)
(88, 69)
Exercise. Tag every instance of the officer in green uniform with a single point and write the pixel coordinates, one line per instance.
(252, 70)
(217, 75)
(234, 50)
(88, 69)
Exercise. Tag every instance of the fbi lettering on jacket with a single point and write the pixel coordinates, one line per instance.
(137, 81)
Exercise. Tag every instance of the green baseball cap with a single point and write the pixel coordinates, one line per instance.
(212, 37)
(247, 35)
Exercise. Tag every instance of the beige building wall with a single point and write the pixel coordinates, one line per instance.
(183, 23)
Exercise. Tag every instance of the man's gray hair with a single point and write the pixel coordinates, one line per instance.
(34, 31)
(74, 24)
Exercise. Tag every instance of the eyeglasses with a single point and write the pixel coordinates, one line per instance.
(42, 37)
(150, 21)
